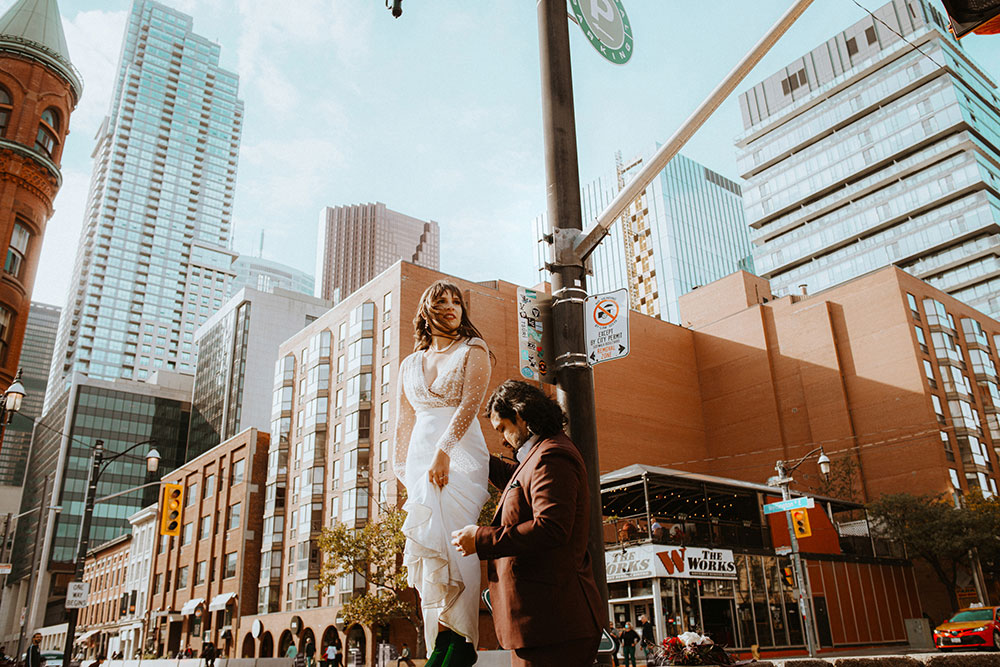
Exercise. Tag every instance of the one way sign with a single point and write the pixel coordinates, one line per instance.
(607, 326)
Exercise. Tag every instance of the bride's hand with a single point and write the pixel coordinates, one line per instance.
(438, 474)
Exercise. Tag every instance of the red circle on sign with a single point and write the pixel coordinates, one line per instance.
(602, 307)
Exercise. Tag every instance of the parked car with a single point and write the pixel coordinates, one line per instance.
(973, 627)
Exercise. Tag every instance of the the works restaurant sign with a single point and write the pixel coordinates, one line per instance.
(646, 561)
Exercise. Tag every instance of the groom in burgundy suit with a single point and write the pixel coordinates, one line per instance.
(546, 607)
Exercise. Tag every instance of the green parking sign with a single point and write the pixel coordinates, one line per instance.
(606, 26)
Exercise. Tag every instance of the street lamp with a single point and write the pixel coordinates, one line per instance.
(784, 480)
(98, 464)
(12, 398)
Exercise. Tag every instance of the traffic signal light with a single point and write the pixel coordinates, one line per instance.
(800, 522)
(789, 579)
(979, 16)
(170, 509)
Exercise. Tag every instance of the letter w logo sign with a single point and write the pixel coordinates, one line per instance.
(673, 560)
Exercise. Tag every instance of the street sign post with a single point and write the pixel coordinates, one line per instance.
(606, 324)
(77, 593)
(606, 27)
(803, 503)
(534, 335)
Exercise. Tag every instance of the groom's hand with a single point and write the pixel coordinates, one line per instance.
(464, 540)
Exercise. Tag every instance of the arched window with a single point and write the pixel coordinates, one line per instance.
(6, 105)
(48, 132)
(18, 248)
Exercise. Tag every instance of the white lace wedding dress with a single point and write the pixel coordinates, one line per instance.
(443, 415)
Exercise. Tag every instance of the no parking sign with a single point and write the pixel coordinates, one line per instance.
(606, 325)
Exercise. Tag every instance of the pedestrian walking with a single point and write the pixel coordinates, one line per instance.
(404, 656)
(648, 638)
(616, 643)
(35, 651)
(629, 639)
(208, 653)
(337, 656)
(310, 651)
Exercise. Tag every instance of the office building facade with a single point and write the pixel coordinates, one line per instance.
(237, 348)
(265, 275)
(105, 569)
(153, 263)
(872, 150)
(121, 413)
(39, 88)
(686, 229)
(356, 243)
(36, 357)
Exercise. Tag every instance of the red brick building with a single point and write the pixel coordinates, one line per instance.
(106, 570)
(204, 581)
(39, 88)
(749, 380)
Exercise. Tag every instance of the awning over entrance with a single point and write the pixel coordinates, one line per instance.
(220, 601)
(191, 605)
(85, 636)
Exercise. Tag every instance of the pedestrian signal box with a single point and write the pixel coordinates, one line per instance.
(170, 509)
(789, 579)
(800, 522)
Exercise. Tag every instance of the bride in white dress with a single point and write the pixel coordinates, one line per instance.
(442, 459)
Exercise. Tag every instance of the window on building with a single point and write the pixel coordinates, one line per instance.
(870, 35)
(921, 338)
(6, 325)
(187, 534)
(192, 494)
(209, 486)
(914, 309)
(18, 249)
(852, 48)
(795, 80)
(938, 409)
(6, 106)
(182, 577)
(949, 453)
(233, 517)
(929, 373)
(230, 565)
(206, 528)
(157, 583)
(199, 572)
(48, 132)
(237, 475)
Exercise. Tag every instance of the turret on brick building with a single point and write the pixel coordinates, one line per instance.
(39, 88)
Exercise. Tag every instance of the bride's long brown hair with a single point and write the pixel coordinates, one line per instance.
(428, 315)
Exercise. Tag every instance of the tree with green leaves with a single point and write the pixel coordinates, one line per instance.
(932, 529)
(374, 553)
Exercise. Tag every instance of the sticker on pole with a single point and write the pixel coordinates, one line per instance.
(606, 26)
(534, 335)
(77, 593)
(606, 326)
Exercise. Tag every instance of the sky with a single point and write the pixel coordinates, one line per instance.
(437, 114)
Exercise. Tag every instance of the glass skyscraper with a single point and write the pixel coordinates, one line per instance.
(876, 149)
(686, 229)
(153, 261)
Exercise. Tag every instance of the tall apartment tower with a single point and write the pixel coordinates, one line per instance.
(686, 229)
(39, 88)
(872, 150)
(356, 243)
(153, 260)
(36, 357)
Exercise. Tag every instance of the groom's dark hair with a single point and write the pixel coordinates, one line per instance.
(515, 398)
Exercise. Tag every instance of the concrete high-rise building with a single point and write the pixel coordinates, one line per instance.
(237, 350)
(685, 230)
(356, 243)
(121, 413)
(266, 275)
(153, 262)
(875, 149)
(39, 88)
(36, 357)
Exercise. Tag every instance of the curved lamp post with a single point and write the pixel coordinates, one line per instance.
(98, 464)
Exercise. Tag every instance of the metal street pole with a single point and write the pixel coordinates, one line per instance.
(81, 550)
(805, 606)
(575, 378)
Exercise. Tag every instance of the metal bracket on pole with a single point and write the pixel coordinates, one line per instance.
(572, 360)
(564, 242)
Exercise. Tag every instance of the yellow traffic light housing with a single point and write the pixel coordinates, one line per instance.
(789, 578)
(170, 509)
(800, 523)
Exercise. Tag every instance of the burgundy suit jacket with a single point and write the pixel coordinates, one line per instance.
(539, 570)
